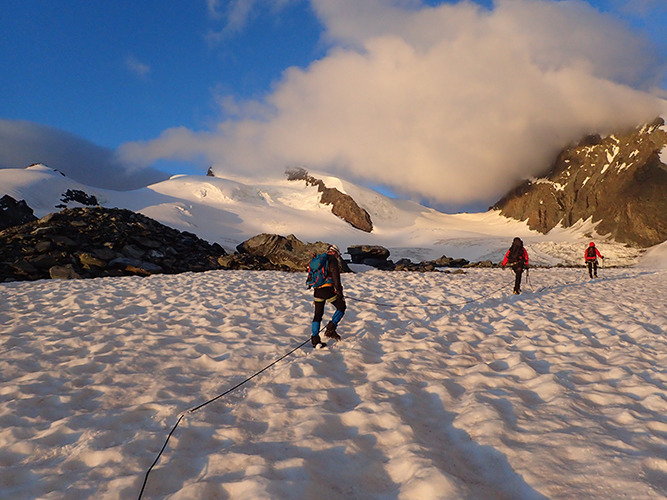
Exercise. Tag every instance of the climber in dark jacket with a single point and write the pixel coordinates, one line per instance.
(517, 258)
(331, 291)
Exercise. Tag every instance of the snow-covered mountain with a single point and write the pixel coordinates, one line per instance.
(618, 181)
(228, 211)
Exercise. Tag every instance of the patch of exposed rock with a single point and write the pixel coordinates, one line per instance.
(77, 196)
(92, 242)
(342, 205)
(619, 181)
(14, 213)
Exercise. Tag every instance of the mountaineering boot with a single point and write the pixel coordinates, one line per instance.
(331, 331)
(317, 341)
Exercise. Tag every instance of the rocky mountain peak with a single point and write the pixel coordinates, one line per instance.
(342, 205)
(619, 181)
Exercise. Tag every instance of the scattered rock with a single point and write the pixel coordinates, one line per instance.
(90, 242)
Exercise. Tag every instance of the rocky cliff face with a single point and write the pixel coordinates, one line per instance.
(619, 181)
(342, 205)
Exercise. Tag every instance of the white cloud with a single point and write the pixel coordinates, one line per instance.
(236, 14)
(453, 103)
(136, 67)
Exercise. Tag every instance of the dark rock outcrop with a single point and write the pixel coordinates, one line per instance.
(371, 255)
(359, 253)
(433, 265)
(94, 242)
(342, 205)
(445, 261)
(77, 196)
(378, 256)
(285, 253)
(619, 181)
(14, 213)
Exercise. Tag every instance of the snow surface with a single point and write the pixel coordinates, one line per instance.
(656, 257)
(230, 211)
(444, 387)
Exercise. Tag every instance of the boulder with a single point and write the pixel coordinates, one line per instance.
(66, 272)
(88, 260)
(286, 252)
(360, 253)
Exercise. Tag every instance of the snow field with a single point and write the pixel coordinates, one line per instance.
(560, 392)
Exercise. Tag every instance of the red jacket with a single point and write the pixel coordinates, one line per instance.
(525, 257)
(593, 257)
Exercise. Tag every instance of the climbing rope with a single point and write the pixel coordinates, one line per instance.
(248, 379)
(194, 409)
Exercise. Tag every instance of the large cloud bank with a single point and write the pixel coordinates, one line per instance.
(453, 103)
(24, 143)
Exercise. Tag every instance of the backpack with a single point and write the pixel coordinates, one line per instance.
(590, 252)
(318, 270)
(515, 254)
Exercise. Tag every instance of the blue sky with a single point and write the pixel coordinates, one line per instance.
(180, 85)
(120, 71)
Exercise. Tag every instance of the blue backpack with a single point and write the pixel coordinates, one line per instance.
(317, 271)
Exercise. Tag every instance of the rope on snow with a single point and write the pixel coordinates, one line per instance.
(192, 410)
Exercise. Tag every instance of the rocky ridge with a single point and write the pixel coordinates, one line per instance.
(342, 205)
(619, 181)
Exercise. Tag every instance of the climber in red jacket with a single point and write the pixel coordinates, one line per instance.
(591, 254)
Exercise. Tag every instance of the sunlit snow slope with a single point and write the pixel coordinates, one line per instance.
(230, 211)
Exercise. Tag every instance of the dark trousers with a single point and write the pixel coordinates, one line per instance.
(592, 268)
(327, 294)
(518, 270)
